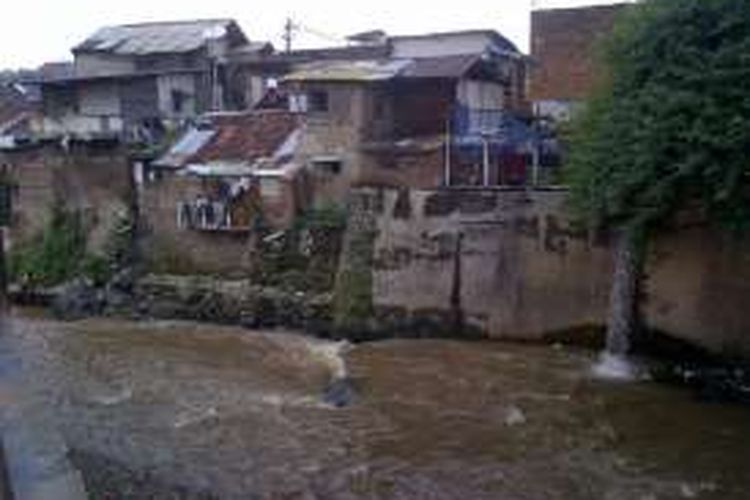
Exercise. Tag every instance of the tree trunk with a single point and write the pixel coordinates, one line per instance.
(624, 311)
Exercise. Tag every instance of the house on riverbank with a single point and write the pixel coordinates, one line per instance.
(137, 81)
(222, 180)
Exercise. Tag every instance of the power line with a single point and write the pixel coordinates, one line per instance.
(291, 28)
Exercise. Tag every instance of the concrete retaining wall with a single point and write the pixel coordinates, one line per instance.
(516, 268)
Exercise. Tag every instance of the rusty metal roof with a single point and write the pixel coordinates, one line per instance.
(449, 67)
(155, 38)
(247, 136)
(236, 139)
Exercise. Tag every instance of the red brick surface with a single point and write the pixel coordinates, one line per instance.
(564, 44)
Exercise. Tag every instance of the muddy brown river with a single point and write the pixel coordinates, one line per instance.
(214, 412)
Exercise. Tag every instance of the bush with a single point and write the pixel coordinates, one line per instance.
(55, 255)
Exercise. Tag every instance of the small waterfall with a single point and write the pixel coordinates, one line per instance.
(614, 363)
(339, 391)
(332, 354)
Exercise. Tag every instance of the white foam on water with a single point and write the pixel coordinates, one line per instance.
(115, 398)
(192, 418)
(333, 355)
(616, 368)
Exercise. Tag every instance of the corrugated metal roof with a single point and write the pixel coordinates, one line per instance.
(499, 40)
(153, 38)
(440, 67)
(185, 148)
(349, 71)
(454, 66)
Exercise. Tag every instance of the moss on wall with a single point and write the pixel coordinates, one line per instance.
(353, 297)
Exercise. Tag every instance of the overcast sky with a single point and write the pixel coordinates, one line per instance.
(37, 31)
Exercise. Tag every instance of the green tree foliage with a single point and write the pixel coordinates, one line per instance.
(669, 128)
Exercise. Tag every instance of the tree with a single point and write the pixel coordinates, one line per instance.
(668, 131)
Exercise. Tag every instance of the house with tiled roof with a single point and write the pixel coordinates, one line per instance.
(227, 174)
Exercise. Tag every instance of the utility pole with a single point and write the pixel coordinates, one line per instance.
(289, 28)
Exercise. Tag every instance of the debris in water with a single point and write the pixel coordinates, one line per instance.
(514, 416)
(195, 418)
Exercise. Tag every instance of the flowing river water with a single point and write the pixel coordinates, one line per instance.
(184, 410)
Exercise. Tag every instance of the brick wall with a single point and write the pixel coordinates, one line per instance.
(92, 179)
(564, 44)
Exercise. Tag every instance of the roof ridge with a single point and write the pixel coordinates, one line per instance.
(174, 22)
(615, 5)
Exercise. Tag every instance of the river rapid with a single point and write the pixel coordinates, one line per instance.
(186, 410)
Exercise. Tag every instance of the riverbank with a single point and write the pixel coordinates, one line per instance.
(211, 300)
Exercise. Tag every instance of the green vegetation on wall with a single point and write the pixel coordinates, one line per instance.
(353, 299)
(304, 257)
(59, 252)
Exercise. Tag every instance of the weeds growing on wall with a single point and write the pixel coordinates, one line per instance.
(59, 254)
(304, 257)
(54, 255)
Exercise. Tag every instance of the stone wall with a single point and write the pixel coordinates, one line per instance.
(509, 264)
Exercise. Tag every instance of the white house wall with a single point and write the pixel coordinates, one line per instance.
(103, 65)
(99, 99)
(440, 45)
(181, 82)
(476, 94)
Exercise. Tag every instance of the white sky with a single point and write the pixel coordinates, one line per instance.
(37, 31)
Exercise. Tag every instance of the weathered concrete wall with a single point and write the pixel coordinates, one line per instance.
(513, 266)
(699, 289)
(92, 179)
(519, 269)
(336, 134)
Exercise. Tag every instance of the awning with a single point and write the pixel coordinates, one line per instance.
(220, 170)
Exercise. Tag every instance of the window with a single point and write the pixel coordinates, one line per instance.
(317, 101)
(270, 188)
(330, 166)
(298, 103)
(178, 101)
